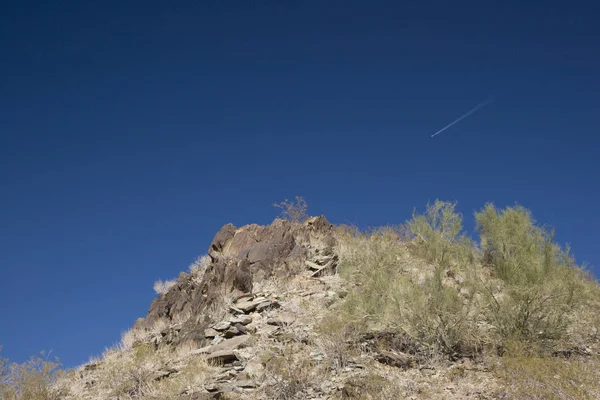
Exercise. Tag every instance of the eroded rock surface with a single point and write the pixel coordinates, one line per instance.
(241, 258)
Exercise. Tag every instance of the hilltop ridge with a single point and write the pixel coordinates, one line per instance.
(304, 309)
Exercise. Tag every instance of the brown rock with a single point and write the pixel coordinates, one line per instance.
(224, 235)
(239, 257)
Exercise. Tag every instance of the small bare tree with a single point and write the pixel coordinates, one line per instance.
(294, 212)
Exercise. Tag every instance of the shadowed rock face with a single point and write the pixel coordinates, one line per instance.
(240, 258)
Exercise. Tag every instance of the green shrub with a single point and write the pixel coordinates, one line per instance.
(541, 282)
(394, 291)
(437, 237)
(434, 284)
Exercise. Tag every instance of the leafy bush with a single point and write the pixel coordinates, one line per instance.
(395, 291)
(542, 283)
(294, 212)
(434, 283)
(31, 380)
(437, 237)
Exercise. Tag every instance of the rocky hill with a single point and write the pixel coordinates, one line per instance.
(315, 311)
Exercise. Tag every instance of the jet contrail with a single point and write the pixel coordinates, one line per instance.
(457, 120)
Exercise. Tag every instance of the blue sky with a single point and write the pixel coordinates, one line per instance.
(130, 132)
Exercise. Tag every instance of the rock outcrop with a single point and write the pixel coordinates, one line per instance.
(240, 259)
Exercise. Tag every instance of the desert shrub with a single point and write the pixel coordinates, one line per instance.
(437, 237)
(442, 318)
(541, 282)
(396, 291)
(430, 284)
(31, 380)
(294, 212)
(162, 287)
(289, 375)
(199, 264)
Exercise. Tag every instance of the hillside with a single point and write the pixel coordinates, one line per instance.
(303, 309)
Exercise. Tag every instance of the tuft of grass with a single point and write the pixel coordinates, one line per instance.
(199, 265)
(162, 287)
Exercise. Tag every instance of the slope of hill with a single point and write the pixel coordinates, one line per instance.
(308, 310)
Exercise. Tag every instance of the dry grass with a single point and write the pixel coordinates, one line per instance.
(528, 376)
(133, 336)
(162, 287)
(31, 380)
(137, 374)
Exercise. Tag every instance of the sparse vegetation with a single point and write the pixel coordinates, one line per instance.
(199, 264)
(162, 287)
(528, 376)
(294, 212)
(541, 282)
(428, 280)
(31, 380)
(419, 310)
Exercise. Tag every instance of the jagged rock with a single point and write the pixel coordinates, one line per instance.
(248, 306)
(245, 384)
(243, 298)
(266, 305)
(210, 333)
(239, 257)
(282, 319)
(242, 319)
(221, 326)
(222, 237)
(222, 356)
(231, 332)
(241, 329)
(202, 350)
(231, 344)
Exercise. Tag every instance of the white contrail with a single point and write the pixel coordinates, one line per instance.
(457, 120)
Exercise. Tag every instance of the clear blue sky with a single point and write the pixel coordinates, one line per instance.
(130, 132)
